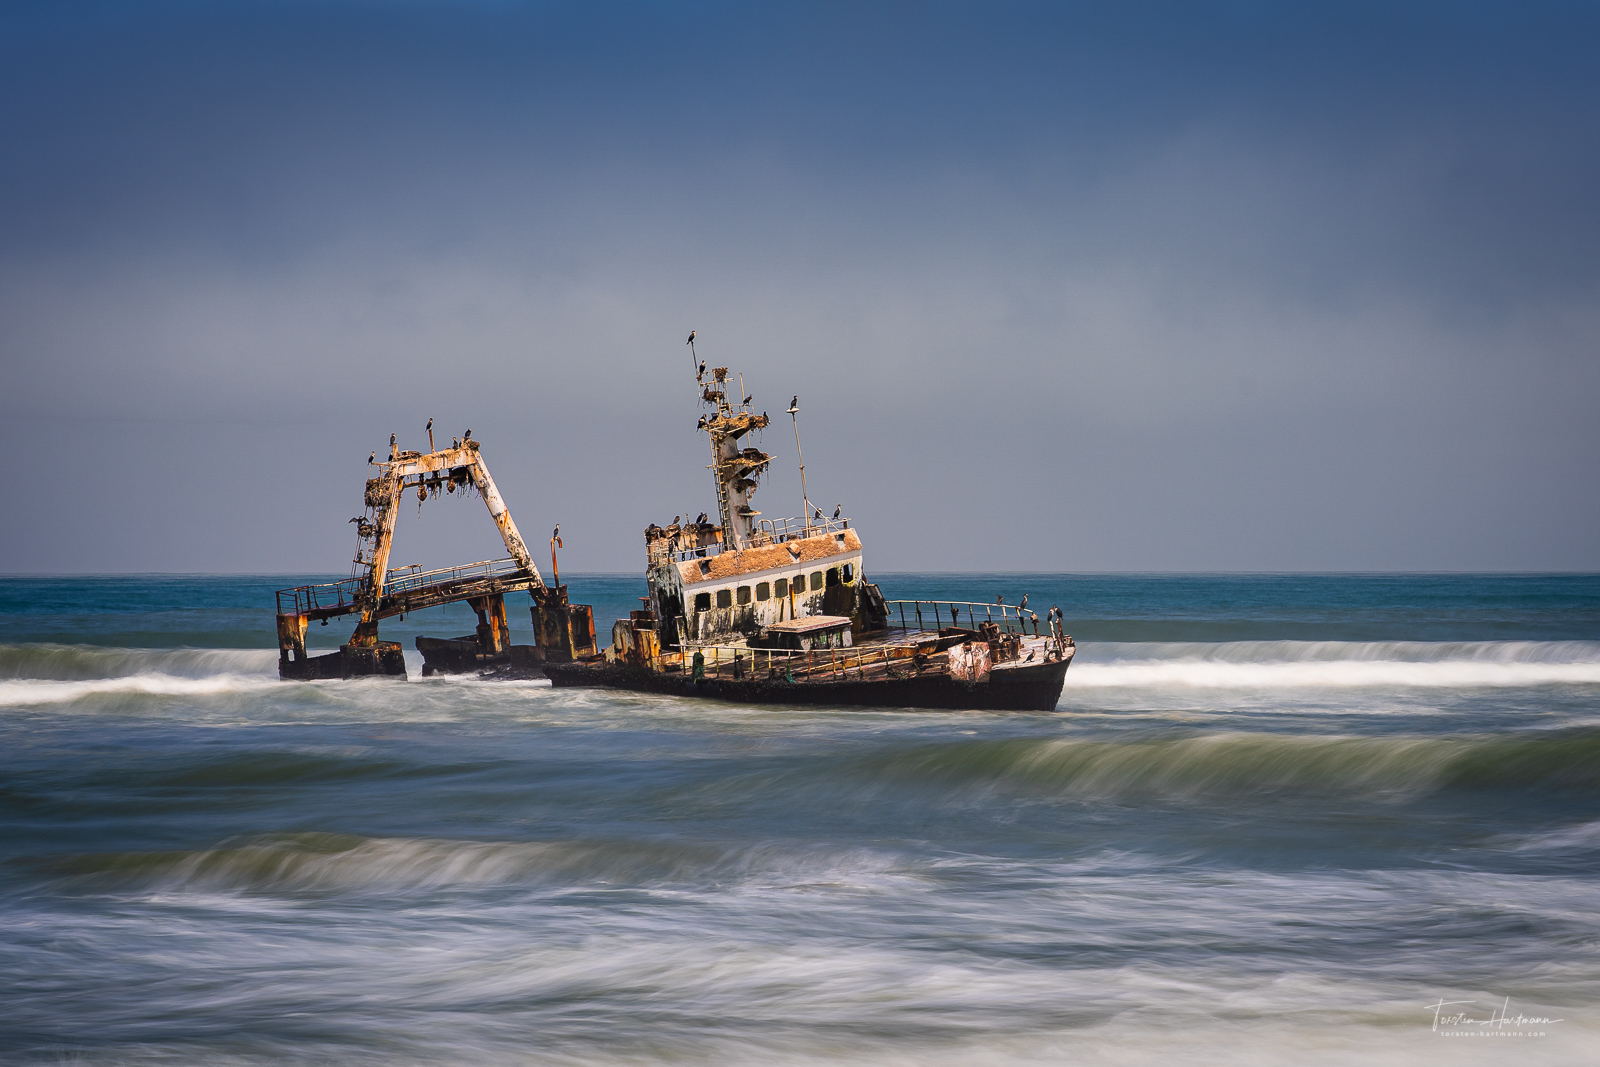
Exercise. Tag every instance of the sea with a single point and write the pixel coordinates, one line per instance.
(1274, 819)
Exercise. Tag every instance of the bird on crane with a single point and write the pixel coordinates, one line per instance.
(373, 456)
(467, 436)
(701, 520)
(701, 424)
(700, 375)
(748, 399)
(430, 424)
(838, 509)
(391, 440)
(794, 405)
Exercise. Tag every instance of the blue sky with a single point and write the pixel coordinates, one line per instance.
(1063, 287)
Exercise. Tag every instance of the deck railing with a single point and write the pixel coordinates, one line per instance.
(937, 614)
(419, 579)
(817, 665)
(307, 598)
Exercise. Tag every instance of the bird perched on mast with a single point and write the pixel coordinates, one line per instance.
(373, 456)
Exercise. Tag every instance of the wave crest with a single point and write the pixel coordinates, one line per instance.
(1235, 763)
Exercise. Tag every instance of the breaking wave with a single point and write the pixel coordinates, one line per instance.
(1243, 763)
(53, 674)
(322, 862)
(1334, 664)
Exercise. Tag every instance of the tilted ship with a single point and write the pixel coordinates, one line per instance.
(779, 611)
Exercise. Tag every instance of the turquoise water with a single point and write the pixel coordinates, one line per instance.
(1273, 819)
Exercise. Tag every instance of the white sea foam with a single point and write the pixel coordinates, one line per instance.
(33, 691)
(1338, 664)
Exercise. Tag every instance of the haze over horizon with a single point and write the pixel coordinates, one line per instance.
(1152, 287)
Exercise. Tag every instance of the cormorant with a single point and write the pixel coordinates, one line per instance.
(373, 456)
(690, 341)
(998, 599)
(748, 399)
(701, 424)
(467, 436)
(838, 509)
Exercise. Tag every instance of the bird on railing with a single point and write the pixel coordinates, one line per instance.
(1023, 604)
(838, 509)
(748, 399)
(998, 599)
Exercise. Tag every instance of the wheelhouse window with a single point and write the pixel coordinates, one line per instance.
(724, 598)
(702, 602)
(816, 580)
(780, 588)
(833, 576)
(744, 594)
(849, 572)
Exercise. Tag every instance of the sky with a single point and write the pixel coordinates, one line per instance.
(1062, 287)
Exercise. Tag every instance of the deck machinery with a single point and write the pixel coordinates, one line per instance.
(374, 591)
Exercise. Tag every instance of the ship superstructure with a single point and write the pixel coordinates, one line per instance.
(738, 576)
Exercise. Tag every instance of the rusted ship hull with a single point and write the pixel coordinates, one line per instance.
(1033, 687)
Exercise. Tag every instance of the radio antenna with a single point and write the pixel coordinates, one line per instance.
(794, 417)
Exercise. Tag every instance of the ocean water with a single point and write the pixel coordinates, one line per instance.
(1274, 819)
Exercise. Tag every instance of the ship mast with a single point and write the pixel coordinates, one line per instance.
(735, 470)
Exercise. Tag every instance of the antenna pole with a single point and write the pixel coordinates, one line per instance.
(794, 417)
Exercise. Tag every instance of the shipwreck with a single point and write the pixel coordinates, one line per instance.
(779, 611)
(375, 592)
